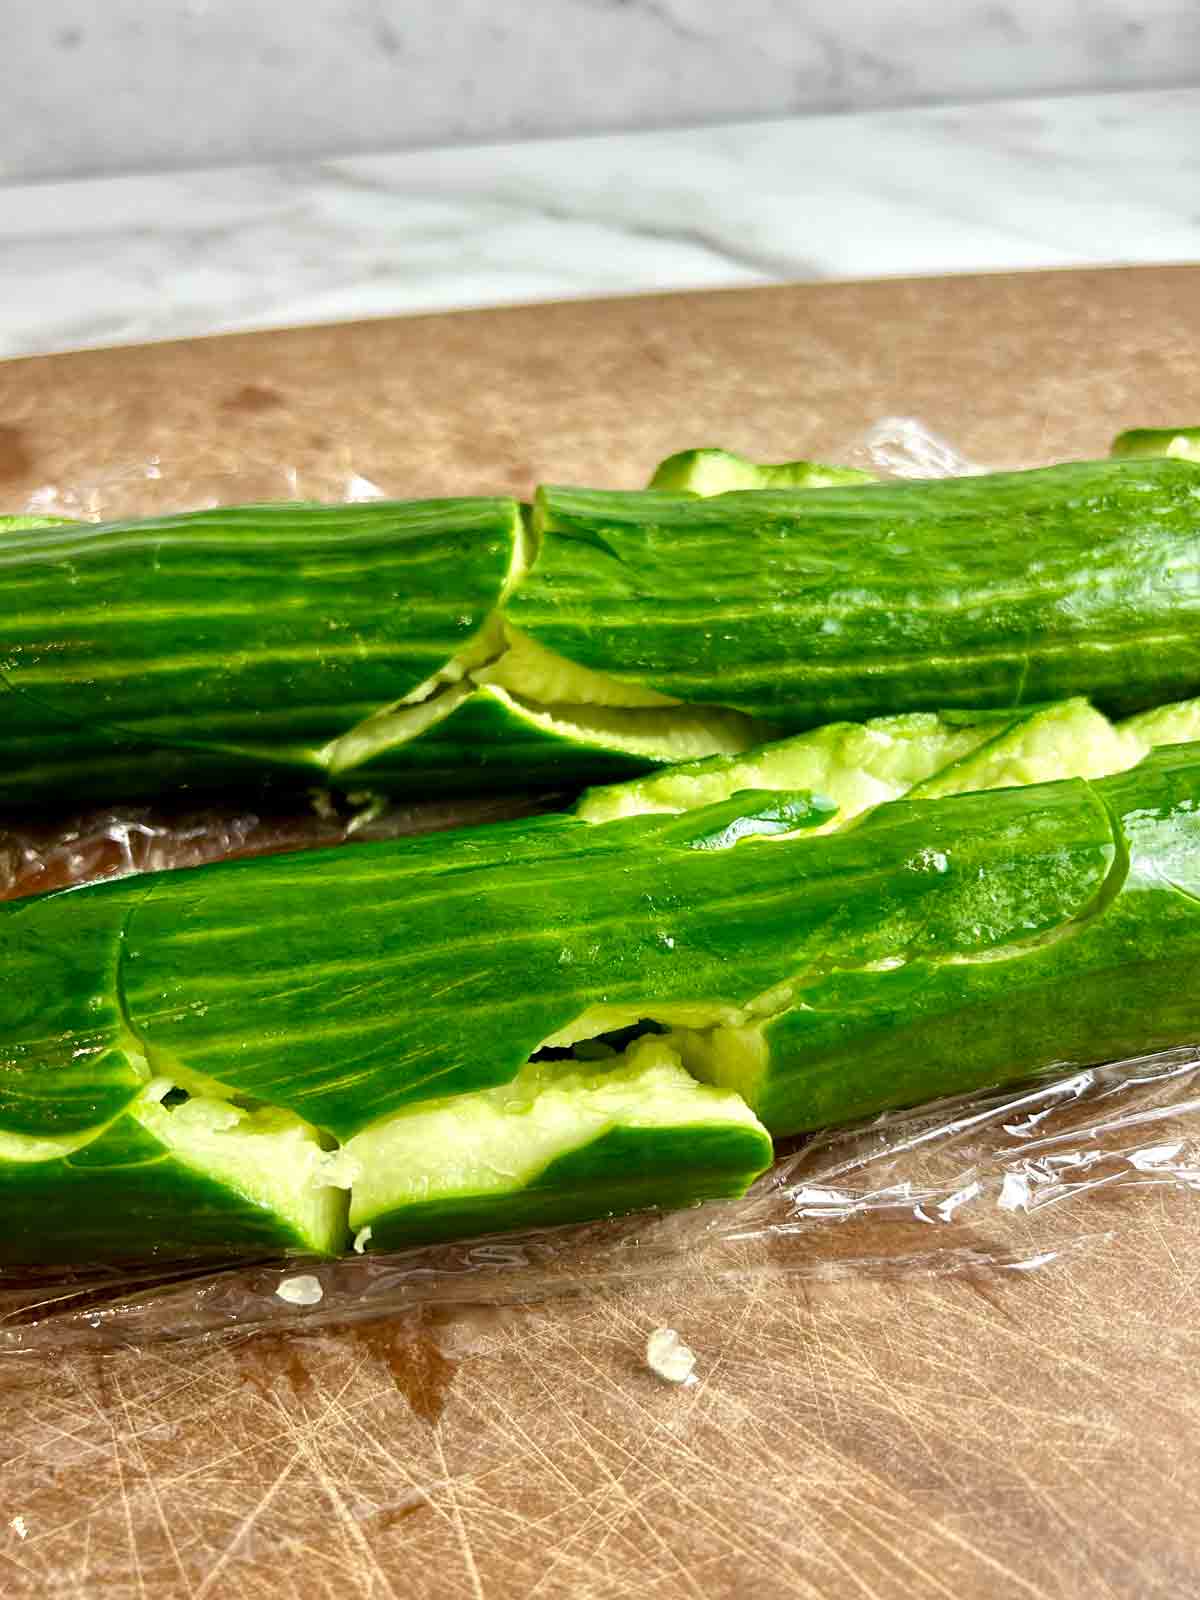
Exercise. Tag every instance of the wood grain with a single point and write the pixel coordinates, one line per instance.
(1028, 1434)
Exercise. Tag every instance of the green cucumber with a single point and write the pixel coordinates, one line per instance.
(489, 942)
(705, 472)
(554, 1146)
(228, 648)
(802, 607)
(941, 945)
(1182, 443)
(924, 1018)
(446, 645)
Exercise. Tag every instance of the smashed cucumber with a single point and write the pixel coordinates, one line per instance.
(540, 1149)
(201, 1178)
(448, 646)
(803, 607)
(356, 1002)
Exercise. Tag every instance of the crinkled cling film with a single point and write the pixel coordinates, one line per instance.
(1007, 1181)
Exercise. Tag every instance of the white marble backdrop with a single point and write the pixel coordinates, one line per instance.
(138, 85)
(1048, 182)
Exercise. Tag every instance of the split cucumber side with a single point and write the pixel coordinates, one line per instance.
(803, 607)
(449, 646)
(232, 648)
(204, 1178)
(560, 1143)
(1181, 443)
(924, 755)
(940, 945)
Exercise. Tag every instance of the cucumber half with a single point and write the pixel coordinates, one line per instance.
(465, 643)
(428, 1022)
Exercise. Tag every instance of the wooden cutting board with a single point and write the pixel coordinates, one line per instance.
(1029, 1434)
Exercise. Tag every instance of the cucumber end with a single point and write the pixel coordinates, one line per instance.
(1182, 444)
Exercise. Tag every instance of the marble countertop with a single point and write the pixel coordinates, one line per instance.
(1042, 182)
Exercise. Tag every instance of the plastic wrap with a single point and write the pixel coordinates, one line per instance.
(1003, 1182)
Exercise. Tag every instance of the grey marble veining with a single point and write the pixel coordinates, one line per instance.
(1031, 183)
(130, 86)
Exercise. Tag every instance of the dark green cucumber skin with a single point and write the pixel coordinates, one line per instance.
(940, 946)
(814, 605)
(344, 985)
(218, 652)
(222, 649)
(1117, 980)
(65, 1061)
(123, 1197)
(626, 1170)
(345, 988)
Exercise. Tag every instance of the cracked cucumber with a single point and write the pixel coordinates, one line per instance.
(803, 607)
(444, 645)
(435, 1031)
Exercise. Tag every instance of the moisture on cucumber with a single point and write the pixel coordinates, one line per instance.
(449, 646)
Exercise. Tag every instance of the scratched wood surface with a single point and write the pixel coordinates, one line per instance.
(1022, 1433)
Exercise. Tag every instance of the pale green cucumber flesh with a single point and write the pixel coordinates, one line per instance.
(1178, 723)
(351, 987)
(1069, 740)
(553, 1146)
(923, 755)
(493, 741)
(21, 523)
(854, 765)
(712, 471)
